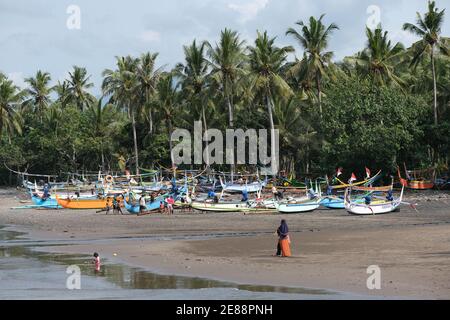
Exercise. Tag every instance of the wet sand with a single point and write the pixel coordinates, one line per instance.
(331, 249)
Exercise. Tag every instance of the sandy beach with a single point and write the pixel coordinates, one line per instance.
(331, 249)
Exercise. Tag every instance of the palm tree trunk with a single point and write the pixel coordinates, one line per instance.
(150, 120)
(434, 87)
(136, 154)
(319, 94)
(272, 135)
(205, 126)
(231, 124)
(169, 128)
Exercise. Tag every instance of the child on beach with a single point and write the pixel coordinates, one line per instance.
(96, 262)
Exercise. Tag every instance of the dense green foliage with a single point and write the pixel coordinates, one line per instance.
(381, 107)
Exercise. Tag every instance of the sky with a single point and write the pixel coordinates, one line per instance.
(54, 35)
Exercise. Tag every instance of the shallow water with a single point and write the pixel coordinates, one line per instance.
(26, 272)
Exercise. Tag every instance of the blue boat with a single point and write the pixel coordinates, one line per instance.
(150, 206)
(48, 203)
(332, 202)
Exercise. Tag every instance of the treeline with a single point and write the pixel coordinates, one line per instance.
(383, 106)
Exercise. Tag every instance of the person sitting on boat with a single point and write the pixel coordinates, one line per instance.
(211, 194)
(329, 191)
(216, 199)
(390, 196)
(46, 194)
(244, 195)
(311, 194)
(368, 199)
(142, 205)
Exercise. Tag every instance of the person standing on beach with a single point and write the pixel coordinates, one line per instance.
(96, 262)
(170, 203)
(283, 246)
(142, 205)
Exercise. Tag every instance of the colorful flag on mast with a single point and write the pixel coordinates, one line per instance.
(353, 178)
(367, 173)
(338, 172)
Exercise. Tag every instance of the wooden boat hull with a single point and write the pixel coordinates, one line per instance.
(420, 185)
(333, 203)
(150, 206)
(48, 203)
(377, 207)
(306, 206)
(363, 209)
(84, 203)
(228, 207)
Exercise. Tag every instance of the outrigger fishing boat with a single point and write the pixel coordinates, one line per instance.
(418, 179)
(369, 207)
(310, 202)
(243, 186)
(331, 201)
(132, 206)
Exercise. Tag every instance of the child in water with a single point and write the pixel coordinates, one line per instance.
(96, 262)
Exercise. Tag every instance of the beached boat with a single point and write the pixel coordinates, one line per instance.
(49, 203)
(371, 207)
(230, 206)
(418, 179)
(333, 202)
(239, 188)
(299, 206)
(82, 203)
(150, 205)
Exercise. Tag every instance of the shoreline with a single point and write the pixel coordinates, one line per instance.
(331, 250)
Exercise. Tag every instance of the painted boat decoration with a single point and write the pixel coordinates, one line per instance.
(375, 207)
(333, 202)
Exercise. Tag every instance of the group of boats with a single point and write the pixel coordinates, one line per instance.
(214, 194)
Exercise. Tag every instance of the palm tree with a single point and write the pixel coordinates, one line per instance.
(227, 60)
(380, 58)
(98, 115)
(38, 92)
(314, 40)
(147, 76)
(10, 99)
(266, 63)
(167, 100)
(428, 28)
(78, 84)
(194, 76)
(62, 91)
(121, 85)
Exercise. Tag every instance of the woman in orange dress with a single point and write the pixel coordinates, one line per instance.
(283, 241)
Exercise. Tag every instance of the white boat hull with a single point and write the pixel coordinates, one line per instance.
(299, 207)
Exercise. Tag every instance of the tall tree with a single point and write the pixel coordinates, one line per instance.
(429, 28)
(266, 63)
(62, 91)
(193, 75)
(147, 77)
(380, 58)
(121, 86)
(77, 89)
(38, 92)
(10, 99)
(314, 40)
(227, 60)
(167, 100)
